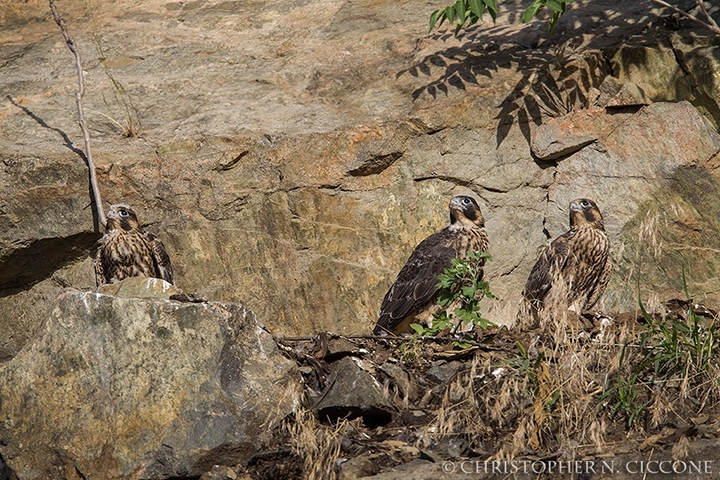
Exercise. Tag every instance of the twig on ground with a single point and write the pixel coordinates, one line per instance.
(81, 116)
(481, 346)
(711, 25)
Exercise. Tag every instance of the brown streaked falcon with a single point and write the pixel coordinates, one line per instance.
(411, 299)
(575, 268)
(128, 251)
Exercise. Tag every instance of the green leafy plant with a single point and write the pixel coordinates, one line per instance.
(527, 366)
(411, 350)
(460, 284)
(623, 397)
(680, 348)
(684, 351)
(676, 346)
(465, 13)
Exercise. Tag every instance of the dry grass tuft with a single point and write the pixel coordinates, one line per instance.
(574, 381)
(680, 449)
(317, 444)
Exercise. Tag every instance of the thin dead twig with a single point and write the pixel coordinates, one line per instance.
(81, 115)
(710, 20)
(481, 346)
(711, 25)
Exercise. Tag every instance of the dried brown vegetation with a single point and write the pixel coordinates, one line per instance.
(579, 387)
(316, 444)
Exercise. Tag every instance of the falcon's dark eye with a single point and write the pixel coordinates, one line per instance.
(585, 204)
(124, 213)
(466, 201)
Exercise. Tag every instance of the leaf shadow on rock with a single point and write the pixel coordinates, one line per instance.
(556, 74)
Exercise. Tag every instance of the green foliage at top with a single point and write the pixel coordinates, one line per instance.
(466, 13)
(460, 282)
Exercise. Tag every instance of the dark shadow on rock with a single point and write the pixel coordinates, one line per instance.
(40, 258)
(67, 142)
(4, 472)
(225, 454)
(277, 464)
(372, 417)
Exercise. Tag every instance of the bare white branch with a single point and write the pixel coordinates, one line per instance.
(81, 116)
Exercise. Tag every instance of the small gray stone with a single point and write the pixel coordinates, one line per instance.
(358, 467)
(353, 392)
(443, 372)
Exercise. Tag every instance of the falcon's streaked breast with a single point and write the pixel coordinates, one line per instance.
(128, 251)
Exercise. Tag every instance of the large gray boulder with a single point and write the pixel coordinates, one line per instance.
(115, 387)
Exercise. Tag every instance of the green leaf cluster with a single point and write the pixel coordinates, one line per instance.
(460, 281)
(527, 366)
(623, 396)
(465, 13)
(677, 347)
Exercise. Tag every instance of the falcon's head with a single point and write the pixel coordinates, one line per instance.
(465, 211)
(585, 213)
(121, 216)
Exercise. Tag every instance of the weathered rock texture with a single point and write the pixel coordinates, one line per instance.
(116, 387)
(291, 154)
(650, 173)
(354, 392)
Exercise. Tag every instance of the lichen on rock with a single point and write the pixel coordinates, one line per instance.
(123, 387)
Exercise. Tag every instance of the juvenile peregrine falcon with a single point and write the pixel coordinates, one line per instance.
(411, 299)
(575, 268)
(127, 251)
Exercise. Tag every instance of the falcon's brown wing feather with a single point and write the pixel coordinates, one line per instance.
(541, 276)
(161, 258)
(99, 268)
(416, 284)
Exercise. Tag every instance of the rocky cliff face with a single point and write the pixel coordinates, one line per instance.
(291, 155)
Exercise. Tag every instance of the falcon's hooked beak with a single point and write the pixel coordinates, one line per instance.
(456, 203)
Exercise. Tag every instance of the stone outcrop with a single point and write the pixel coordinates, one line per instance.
(354, 392)
(292, 162)
(682, 70)
(123, 387)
